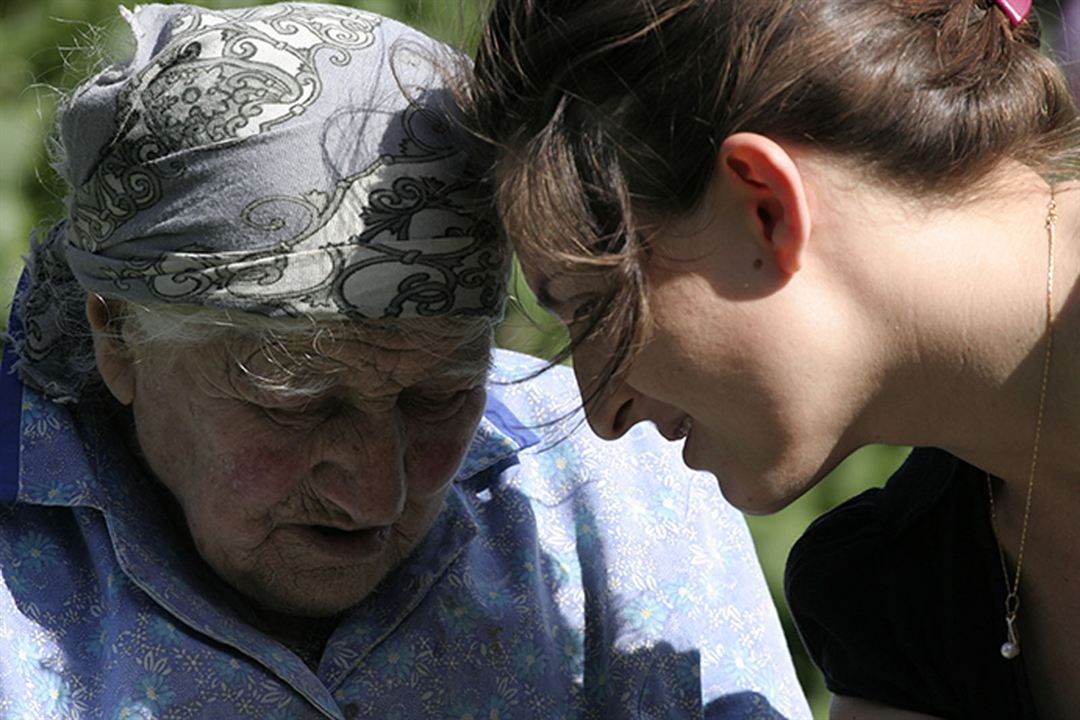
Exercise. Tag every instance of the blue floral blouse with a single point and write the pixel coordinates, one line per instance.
(573, 579)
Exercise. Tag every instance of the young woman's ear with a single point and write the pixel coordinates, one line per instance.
(114, 359)
(768, 185)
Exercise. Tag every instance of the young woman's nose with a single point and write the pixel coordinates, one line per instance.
(612, 407)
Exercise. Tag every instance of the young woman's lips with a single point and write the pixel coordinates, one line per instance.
(688, 448)
(354, 545)
(677, 430)
(684, 427)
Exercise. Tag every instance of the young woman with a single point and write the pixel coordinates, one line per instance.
(785, 230)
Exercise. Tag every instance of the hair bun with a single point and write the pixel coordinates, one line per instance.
(1017, 19)
(975, 41)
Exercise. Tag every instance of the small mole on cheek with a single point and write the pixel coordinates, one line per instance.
(758, 264)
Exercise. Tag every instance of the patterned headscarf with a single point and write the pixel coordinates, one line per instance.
(293, 160)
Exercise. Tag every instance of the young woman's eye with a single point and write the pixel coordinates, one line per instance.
(583, 311)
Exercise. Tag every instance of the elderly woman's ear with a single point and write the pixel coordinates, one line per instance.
(115, 361)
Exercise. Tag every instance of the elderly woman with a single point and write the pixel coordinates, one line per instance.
(251, 469)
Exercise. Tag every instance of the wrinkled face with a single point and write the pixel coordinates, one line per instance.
(304, 503)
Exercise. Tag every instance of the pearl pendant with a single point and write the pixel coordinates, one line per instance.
(1011, 647)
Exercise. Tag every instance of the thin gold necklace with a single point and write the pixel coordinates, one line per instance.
(1011, 647)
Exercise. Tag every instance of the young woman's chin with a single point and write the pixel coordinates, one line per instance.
(756, 497)
(760, 488)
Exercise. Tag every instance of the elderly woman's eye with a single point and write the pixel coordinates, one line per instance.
(434, 405)
(281, 416)
(299, 415)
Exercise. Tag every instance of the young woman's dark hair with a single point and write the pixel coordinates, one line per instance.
(606, 116)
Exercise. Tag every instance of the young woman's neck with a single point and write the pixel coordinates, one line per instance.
(953, 303)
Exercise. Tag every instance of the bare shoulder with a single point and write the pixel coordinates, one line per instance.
(850, 708)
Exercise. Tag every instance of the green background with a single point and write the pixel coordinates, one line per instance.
(47, 45)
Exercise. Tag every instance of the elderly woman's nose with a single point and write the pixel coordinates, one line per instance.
(360, 468)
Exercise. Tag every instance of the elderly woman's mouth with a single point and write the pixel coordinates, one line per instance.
(366, 543)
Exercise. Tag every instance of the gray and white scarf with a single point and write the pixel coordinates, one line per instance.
(293, 160)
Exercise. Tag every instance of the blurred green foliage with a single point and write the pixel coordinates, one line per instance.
(50, 44)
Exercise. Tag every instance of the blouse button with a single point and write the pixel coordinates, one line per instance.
(352, 711)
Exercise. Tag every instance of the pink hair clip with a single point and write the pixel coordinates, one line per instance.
(1017, 10)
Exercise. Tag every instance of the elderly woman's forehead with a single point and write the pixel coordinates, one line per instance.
(399, 353)
(405, 353)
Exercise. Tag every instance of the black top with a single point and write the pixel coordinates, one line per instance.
(899, 596)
